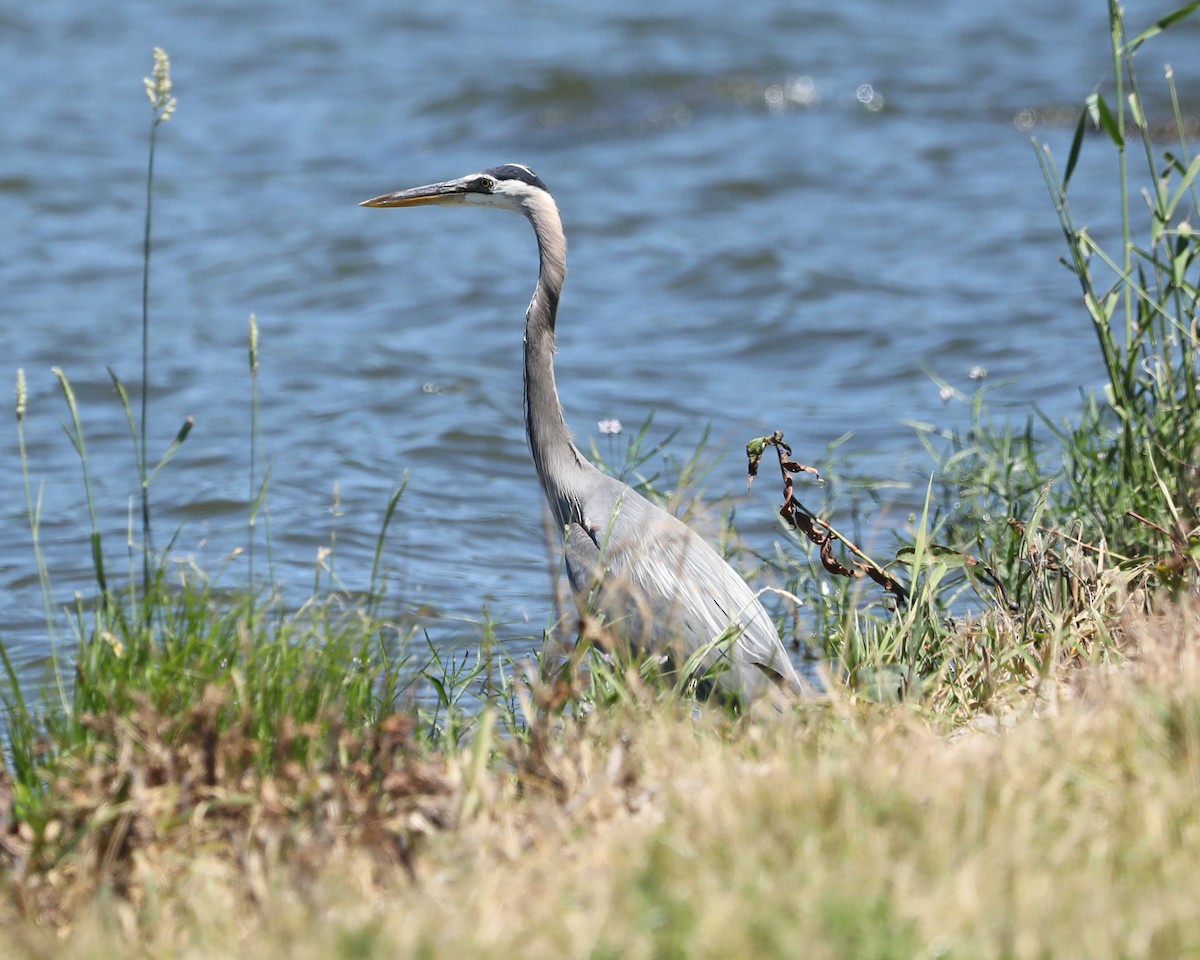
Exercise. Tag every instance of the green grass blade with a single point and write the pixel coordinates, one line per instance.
(173, 449)
(1160, 25)
(77, 439)
(1103, 117)
(1076, 146)
(377, 560)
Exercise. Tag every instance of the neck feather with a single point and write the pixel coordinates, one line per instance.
(560, 465)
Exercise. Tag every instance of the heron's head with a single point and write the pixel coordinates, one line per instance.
(510, 186)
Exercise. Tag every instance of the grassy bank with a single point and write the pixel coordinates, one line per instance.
(1005, 763)
(1069, 828)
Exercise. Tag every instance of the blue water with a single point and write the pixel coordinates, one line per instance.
(781, 215)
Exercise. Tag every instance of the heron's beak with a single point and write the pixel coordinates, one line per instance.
(451, 191)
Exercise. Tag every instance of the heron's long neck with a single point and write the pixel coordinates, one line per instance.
(560, 466)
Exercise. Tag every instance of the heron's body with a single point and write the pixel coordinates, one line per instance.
(648, 574)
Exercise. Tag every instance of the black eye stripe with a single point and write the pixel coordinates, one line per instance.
(516, 171)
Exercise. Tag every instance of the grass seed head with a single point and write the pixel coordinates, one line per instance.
(158, 87)
(21, 394)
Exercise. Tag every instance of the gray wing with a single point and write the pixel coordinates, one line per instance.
(665, 588)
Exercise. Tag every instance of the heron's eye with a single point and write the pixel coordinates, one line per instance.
(485, 184)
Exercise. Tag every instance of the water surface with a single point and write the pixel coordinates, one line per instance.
(781, 215)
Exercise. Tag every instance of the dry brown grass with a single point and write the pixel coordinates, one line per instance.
(843, 830)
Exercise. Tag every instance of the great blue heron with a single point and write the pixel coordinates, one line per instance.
(650, 576)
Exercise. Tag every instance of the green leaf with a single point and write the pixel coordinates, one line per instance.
(123, 394)
(1184, 185)
(1160, 25)
(1076, 146)
(1135, 109)
(1103, 117)
(173, 448)
(1181, 261)
(443, 696)
(1174, 163)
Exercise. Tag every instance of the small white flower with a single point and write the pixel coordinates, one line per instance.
(947, 394)
(610, 426)
(977, 372)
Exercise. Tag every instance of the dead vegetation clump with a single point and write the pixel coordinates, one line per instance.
(153, 790)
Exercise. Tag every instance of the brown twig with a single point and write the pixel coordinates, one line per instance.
(819, 531)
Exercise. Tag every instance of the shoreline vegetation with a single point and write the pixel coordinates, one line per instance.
(1005, 763)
